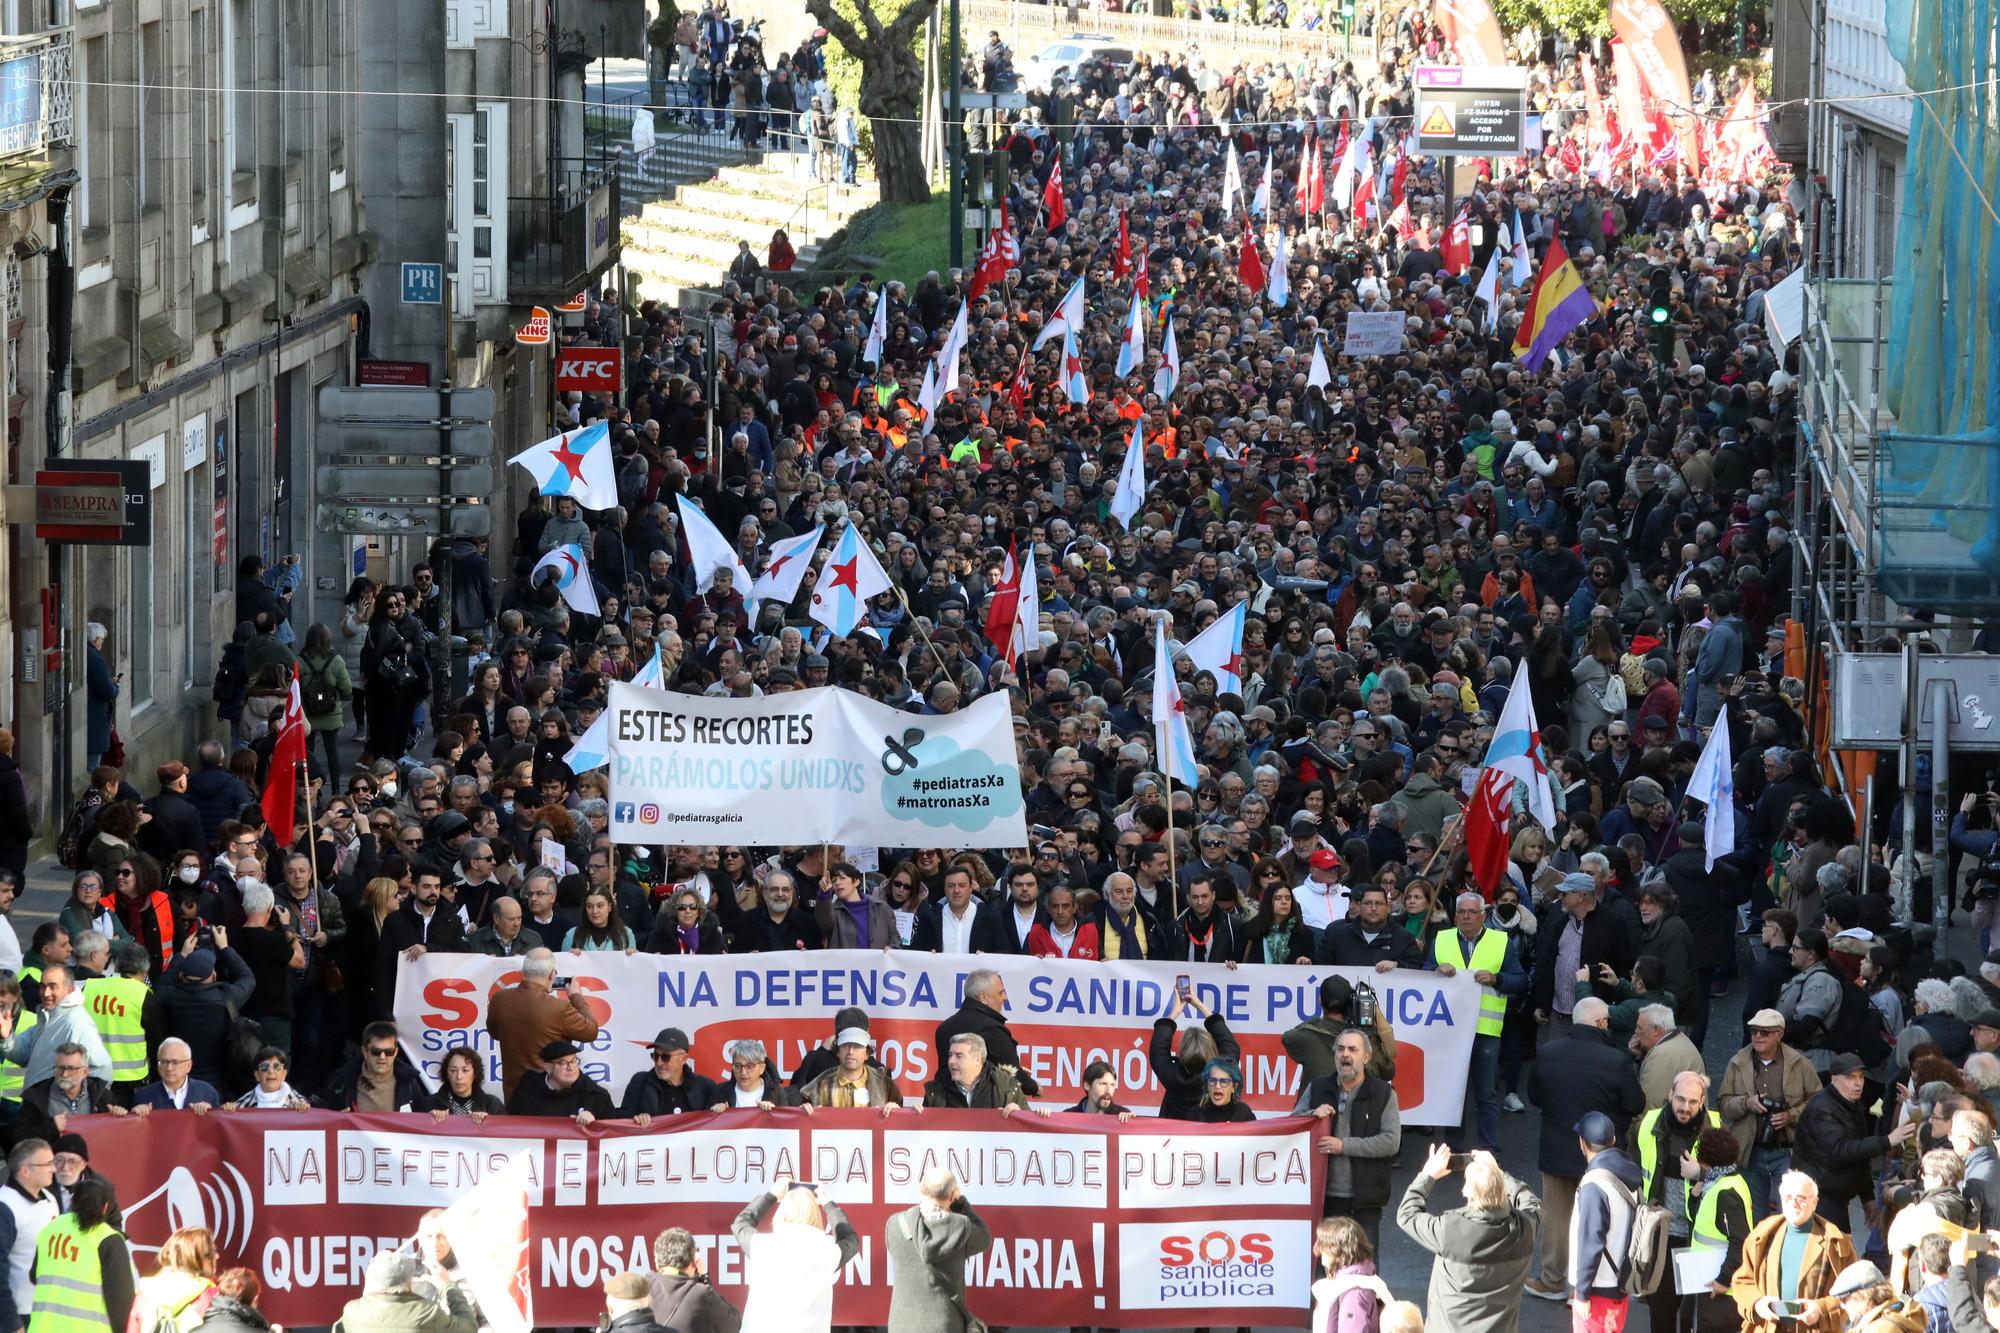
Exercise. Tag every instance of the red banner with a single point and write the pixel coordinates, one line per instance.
(1471, 29)
(1144, 1225)
(587, 369)
(1647, 32)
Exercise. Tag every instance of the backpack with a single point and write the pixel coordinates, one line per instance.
(232, 684)
(69, 844)
(1857, 1026)
(319, 697)
(1650, 1249)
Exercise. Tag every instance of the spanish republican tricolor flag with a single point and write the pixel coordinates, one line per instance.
(1559, 305)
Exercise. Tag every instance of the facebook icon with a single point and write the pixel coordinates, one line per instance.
(624, 812)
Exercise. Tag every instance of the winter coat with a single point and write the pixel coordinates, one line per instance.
(1426, 807)
(1708, 903)
(1672, 1055)
(1671, 941)
(1482, 1256)
(928, 1253)
(987, 1024)
(1835, 1146)
(407, 1312)
(101, 701)
(1572, 1077)
(690, 1305)
(882, 1090)
(1739, 1082)
(1604, 941)
(226, 1314)
(837, 928)
(330, 671)
(344, 1088)
(17, 828)
(218, 796)
(198, 1011)
(1828, 1251)
(1182, 1090)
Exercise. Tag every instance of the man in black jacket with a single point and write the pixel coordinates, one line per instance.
(968, 1080)
(982, 1015)
(1361, 1135)
(932, 933)
(752, 1083)
(1596, 938)
(1575, 1074)
(670, 1087)
(175, 826)
(561, 1088)
(1100, 1092)
(1834, 1144)
(1364, 937)
(379, 1078)
(1002, 926)
(196, 996)
(1708, 900)
(424, 924)
(1202, 934)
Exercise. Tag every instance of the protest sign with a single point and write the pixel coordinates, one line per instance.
(810, 766)
(1374, 333)
(1063, 1015)
(1142, 1225)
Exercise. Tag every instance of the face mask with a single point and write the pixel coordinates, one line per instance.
(189, 874)
(507, 807)
(389, 790)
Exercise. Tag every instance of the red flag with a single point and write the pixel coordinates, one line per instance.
(1340, 145)
(1399, 218)
(288, 755)
(1121, 264)
(1568, 155)
(1316, 194)
(1457, 256)
(1306, 156)
(1364, 198)
(1006, 605)
(1487, 821)
(1017, 388)
(1000, 253)
(488, 1231)
(1056, 211)
(1250, 264)
(1402, 173)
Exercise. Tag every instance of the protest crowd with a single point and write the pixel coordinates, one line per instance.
(1527, 504)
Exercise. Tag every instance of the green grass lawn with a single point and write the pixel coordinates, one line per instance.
(900, 241)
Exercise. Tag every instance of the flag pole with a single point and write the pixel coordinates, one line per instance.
(918, 623)
(1173, 855)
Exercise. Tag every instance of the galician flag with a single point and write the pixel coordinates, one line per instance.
(1076, 384)
(1517, 749)
(1171, 739)
(1168, 377)
(1488, 290)
(593, 748)
(1714, 785)
(1026, 636)
(1279, 292)
(954, 346)
(1232, 182)
(1068, 315)
(710, 552)
(1524, 263)
(1130, 496)
(1219, 649)
(789, 559)
(653, 674)
(850, 578)
(572, 571)
(878, 329)
(1132, 347)
(1320, 374)
(577, 464)
(1261, 203)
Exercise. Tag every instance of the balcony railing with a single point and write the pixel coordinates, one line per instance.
(558, 246)
(36, 110)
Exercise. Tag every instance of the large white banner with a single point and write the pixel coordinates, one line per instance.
(1062, 1014)
(1374, 333)
(810, 766)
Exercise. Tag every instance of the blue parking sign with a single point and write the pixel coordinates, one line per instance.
(423, 284)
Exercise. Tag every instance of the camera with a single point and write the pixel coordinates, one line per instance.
(1365, 1005)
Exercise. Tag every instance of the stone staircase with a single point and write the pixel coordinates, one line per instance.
(686, 240)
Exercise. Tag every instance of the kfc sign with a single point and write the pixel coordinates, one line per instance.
(587, 369)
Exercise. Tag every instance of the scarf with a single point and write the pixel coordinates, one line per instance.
(1200, 942)
(273, 1101)
(1712, 1174)
(690, 938)
(1128, 933)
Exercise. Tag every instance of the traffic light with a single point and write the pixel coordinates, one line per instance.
(1660, 314)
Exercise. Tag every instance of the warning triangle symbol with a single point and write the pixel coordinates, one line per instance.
(1437, 121)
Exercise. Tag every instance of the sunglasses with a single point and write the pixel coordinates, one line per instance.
(268, 1065)
(382, 1052)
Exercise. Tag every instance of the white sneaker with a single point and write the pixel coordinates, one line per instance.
(1547, 1291)
(1513, 1102)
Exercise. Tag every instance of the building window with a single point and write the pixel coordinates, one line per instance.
(95, 105)
(201, 157)
(240, 54)
(152, 117)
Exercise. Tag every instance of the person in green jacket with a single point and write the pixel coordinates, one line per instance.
(325, 689)
(391, 1300)
(1627, 998)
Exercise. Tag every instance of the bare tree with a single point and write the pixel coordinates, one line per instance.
(892, 81)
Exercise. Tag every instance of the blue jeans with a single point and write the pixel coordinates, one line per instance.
(847, 156)
(1767, 1166)
(1482, 1096)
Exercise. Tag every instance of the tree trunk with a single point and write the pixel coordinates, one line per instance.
(899, 163)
